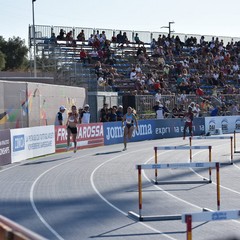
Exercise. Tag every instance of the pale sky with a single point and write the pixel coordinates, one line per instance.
(204, 17)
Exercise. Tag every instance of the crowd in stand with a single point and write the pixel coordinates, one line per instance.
(167, 65)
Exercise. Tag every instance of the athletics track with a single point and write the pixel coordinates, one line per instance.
(88, 195)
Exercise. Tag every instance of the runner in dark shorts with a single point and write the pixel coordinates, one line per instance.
(72, 127)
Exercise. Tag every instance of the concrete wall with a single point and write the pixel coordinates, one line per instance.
(25, 104)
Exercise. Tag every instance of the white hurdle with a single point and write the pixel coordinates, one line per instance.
(206, 217)
(140, 217)
(215, 137)
(234, 142)
(183, 148)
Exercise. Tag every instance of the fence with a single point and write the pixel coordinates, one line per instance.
(44, 31)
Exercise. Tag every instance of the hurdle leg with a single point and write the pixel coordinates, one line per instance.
(188, 221)
(234, 142)
(218, 186)
(140, 191)
(190, 143)
(156, 161)
(210, 160)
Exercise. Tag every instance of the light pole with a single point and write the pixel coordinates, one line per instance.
(169, 28)
(34, 41)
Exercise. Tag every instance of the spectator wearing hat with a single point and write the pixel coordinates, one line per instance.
(160, 110)
(119, 113)
(85, 115)
(59, 117)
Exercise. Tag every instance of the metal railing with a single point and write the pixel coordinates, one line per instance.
(44, 31)
(10, 230)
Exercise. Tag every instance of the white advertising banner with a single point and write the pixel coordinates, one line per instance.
(226, 123)
(32, 142)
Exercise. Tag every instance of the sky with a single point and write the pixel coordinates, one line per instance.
(204, 17)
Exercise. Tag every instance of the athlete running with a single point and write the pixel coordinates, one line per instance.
(188, 117)
(129, 119)
(72, 127)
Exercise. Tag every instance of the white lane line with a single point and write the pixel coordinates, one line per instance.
(32, 196)
(113, 206)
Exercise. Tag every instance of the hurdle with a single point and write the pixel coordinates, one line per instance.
(206, 217)
(140, 217)
(216, 137)
(234, 142)
(182, 148)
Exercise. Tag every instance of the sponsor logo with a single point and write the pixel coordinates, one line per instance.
(219, 216)
(143, 129)
(117, 132)
(61, 134)
(199, 165)
(114, 132)
(224, 125)
(211, 126)
(237, 124)
(90, 131)
(18, 143)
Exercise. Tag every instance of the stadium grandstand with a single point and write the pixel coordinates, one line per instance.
(181, 67)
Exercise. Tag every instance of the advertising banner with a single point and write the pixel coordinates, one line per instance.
(150, 129)
(5, 147)
(32, 142)
(226, 123)
(169, 128)
(88, 135)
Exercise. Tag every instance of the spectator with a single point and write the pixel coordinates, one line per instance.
(137, 39)
(85, 115)
(90, 40)
(98, 69)
(125, 39)
(84, 56)
(80, 109)
(158, 95)
(69, 37)
(234, 110)
(60, 117)
(81, 36)
(157, 86)
(133, 74)
(112, 116)
(175, 111)
(114, 38)
(158, 109)
(61, 35)
(119, 113)
(103, 113)
(53, 39)
(214, 111)
(153, 44)
(120, 39)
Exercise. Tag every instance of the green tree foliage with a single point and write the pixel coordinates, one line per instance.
(2, 61)
(15, 53)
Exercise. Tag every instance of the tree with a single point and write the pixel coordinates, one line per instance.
(15, 53)
(2, 61)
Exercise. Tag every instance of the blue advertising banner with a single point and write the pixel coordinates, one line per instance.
(169, 128)
(151, 129)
